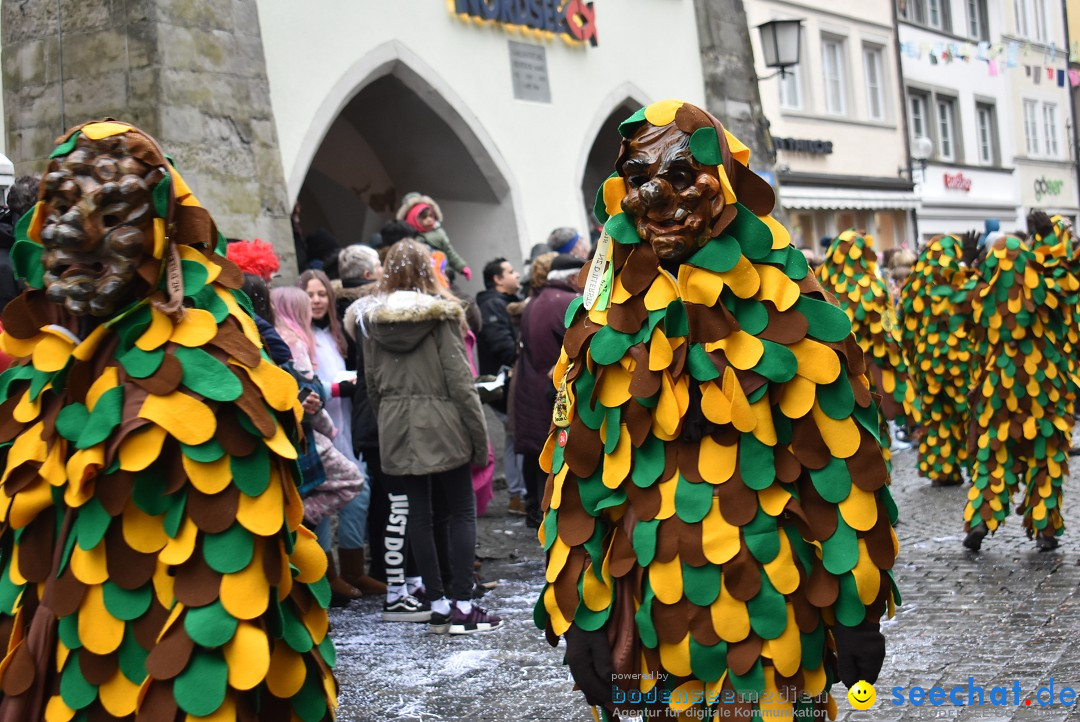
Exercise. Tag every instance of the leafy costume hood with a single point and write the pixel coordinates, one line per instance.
(718, 497)
(154, 564)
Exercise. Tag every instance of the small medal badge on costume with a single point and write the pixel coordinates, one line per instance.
(560, 413)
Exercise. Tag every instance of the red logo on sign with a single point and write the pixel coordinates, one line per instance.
(563, 436)
(581, 20)
(958, 181)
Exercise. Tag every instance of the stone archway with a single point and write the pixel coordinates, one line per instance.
(599, 162)
(397, 133)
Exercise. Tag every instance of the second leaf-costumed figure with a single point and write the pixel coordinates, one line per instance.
(718, 525)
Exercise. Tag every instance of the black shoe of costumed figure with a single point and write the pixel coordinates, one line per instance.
(477, 620)
(974, 538)
(1046, 543)
(439, 623)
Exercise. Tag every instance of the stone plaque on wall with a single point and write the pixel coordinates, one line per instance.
(528, 67)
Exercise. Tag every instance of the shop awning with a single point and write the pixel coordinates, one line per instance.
(819, 197)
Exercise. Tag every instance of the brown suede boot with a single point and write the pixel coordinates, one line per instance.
(341, 592)
(353, 571)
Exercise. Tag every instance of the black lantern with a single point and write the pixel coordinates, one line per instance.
(780, 43)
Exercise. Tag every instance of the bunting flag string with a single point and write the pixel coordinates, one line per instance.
(1000, 57)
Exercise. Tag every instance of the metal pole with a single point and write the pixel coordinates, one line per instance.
(1072, 99)
(60, 48)
(904, 122)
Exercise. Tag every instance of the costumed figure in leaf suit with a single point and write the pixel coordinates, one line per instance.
(850, 272)
(717, 521)
(152, 561)
(935, 339)
(1024, 394)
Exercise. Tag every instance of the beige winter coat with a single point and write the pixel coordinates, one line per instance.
(420, 384)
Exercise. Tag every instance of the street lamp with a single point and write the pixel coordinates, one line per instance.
(780, 44)
(921, 150)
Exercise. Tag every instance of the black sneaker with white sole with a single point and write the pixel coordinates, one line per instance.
(439, 623)
(477, 620)
(406, 609)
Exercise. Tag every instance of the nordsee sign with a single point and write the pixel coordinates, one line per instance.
(574, 18)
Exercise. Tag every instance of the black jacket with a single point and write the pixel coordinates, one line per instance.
(498, 341)
(272, 342)
(9, 286)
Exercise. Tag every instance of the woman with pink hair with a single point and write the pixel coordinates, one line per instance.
(344, 480)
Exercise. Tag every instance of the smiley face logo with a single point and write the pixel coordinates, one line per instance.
(862, 695)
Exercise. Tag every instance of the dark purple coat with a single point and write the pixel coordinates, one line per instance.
(542, 332)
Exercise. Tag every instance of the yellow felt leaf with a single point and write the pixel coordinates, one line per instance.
(279, 443)
(178, 549)
(666, 579)
(742, 417)
(742, 350)
(660, 354)
(246, 594)
(157, 333)
(614, 388)
(213, 270)
(676, 657)
(141, 448)
(616, 466)
(57, 711)
(729, 617)
(782, 571)
(99, 631)
(668, 415)
(209, 477)
(119, 696)
(109, 378)
(197, 328)
(52, 353)
(557, 557)
(160, 239)
(764, 428)
(775, 704)
(842, 437)
(278, 387)
(743, 279)
(308, 557)
(187, 420)
(667, 497)
(817, 362)
(614, 192)
(262, 515)
(797, 397)
(859, 509)
(662, 112)
(28, 503)
(287, 672)
(867, 575)
(559, 622)
(773, 499)
(725, 185)
(661, 293)
(687, 695)
(698, 285)
(781, 236)
(248, 656)
(776, 287)
(596, 593)
(104, 129)
(715, 404)
(142, 532)
(814, 681)
(89, 566)
(27, 409)
(720, 540)
(738, 150)
(716, 462)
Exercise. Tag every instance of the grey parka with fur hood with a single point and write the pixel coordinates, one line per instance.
(420, 384)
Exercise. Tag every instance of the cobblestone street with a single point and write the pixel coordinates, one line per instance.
(1003, 615)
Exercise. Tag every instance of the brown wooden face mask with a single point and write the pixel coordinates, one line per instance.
(672, 198)
(98, 225)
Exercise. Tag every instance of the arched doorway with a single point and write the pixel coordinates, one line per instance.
(398, 134)
(600, 161)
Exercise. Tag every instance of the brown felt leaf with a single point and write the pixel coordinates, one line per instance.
(738, 503)
(196, 583)
(566, 585)
(9, 427)
(148, 626)
(583, 449)
(97, 669)
(672, 621)
(232, 341)
(645, 502)
(742, 576)
(629, 316)
(231, 435)
(252, 404)
(879, 541)
(701, 626)
(822, 588)
(68, 594)
(687, 453)
(784, 328)
(690, 549)
(638, 420)
(127, 568)
(623, 559)
(36, 548)
(807, 616)
(689, 118)
(170, 656)
(807, 445)
(742, 655)
(114, 490)
(579, 332)
(640, 269)
(20, 672)
(165, 380)
(667, 540)
(709, 323)
(788, 467)
(866, 466)
(753, 191)
(214, 513)
(574, 523)
(819, 513)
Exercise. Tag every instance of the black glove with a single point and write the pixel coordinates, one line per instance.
(970, 249)
(1040, 223)
(589, 658)
(346, 389)
(860, 652)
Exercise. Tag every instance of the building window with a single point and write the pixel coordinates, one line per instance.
(946, 119)
(1031, 128)
(832, 64)
(934, 13)
(1020, 8)
(1039, 6)
(976, 15)
(875, 91)
(1050, 129)
(917, 103)
(984, 116)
